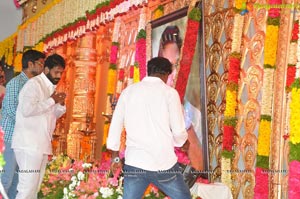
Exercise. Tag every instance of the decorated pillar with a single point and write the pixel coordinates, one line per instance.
(81, 136)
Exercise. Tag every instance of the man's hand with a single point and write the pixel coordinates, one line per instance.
(114, 167)
(116, 163)
(59, 97)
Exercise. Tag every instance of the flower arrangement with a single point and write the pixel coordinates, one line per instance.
(140, 54)
(294, 125)
(69, 179)
(263, 147)
(231, 108)
(158, 12)
(188, 50)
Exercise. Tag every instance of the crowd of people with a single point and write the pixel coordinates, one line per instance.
(150, 111)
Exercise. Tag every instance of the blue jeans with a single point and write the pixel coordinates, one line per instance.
(9, 177)
(170, 182)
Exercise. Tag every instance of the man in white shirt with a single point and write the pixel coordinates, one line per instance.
(39, 107)
(152, 115)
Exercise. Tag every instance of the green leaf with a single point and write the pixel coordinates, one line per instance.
(230, 121)
(141, 34)
(266, 117)
(262, 161)
(195, 14)
(269, 66)
(227, 154)
(273, 21)
(296, 83)
(113, 66)
(294, 152)
(115, 43)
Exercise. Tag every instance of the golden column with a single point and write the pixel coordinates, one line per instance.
(81, 135)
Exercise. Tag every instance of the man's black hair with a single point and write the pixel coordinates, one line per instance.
(159, 65)
(55, 60)
(31, 55)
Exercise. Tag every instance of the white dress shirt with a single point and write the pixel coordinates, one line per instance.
(36, 116)
(152, 115)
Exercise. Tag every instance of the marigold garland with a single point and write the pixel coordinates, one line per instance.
(158, 12)
(263, 147)
(263, 151)
(271, 45)
(293, 84)
(295, 116)
(231, 103)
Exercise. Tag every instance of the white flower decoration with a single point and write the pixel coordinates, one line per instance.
(106, 192)
(80, 175)
(66, 191)
(74, 178)
(86, 165)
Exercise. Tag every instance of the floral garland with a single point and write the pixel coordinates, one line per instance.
(188, 50)
(294, 136)
(230, 118)
(264, 133)
(158, 12)
(140, 54)
(7, 49)
(139, 71)
(112, 76)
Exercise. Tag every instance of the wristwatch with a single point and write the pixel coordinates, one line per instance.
(116, 160)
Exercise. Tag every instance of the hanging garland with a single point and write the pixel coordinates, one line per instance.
(140, 54)
(188, 50)
(139, 70)
(293, 83)
(265, 129)
(230, 113)
(112, 76)
(7, 47)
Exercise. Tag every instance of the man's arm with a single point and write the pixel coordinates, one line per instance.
(114, 135)
(176, 119)
(10, 101)
(116, 126)
(30, 103)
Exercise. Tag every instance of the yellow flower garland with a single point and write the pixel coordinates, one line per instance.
(263, 147)
(295, 116)
(231, 103)
(112, 77)
(105, 132)
(239, 4)
(136, 75)
(18, 62)
(271, 44)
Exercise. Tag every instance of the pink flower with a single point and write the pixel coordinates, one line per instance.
(294, 180)
(113, 54)
(262, 179)
(182, 156)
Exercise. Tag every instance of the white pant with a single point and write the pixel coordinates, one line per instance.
(32, 165)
